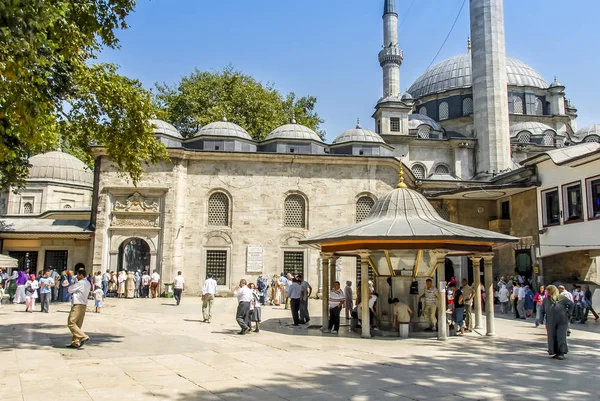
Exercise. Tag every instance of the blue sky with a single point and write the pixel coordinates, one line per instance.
(328, 48)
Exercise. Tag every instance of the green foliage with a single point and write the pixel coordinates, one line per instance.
(52, 93)
(205, 97)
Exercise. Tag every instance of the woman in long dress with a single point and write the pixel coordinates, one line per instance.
(130, 285)
(20, 293)
(11, 286)
(65, 281)
(557, 309)
(121, 284)
(277, 290)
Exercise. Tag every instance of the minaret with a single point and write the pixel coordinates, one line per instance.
(490, 99)
(390, 57)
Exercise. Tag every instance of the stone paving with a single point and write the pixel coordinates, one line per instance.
(149, 349)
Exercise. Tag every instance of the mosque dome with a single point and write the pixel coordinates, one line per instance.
(407, 97)
(294, 131)
(60, 167)
(591, 133)
(163, 127)
(455, 73)
(224, 129)
(358, 134)
(415, 120)
(534, 128)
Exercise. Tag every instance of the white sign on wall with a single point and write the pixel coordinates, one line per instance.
(254, 259)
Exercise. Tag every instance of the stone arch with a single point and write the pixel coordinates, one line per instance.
(294, 195)
(291, 239)
(217, 238)
(441, 168)
(419, 170)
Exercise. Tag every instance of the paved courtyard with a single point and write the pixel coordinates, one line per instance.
(150, 349)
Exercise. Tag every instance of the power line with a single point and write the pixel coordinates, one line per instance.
(406, 14)
(447, 36)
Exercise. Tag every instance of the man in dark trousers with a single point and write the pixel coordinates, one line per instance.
(294, 293)
(242, 316)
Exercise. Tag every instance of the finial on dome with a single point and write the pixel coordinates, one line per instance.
(293, 120)
(469, 43)
(224, 118)
(401, 183)
(358, 123)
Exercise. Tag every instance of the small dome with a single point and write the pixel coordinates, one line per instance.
(407, 97)
(57, 166)
(294, 131)
(358, 134)
(414, 120)
(455, 73)
(163, 127)
(224, 129)
(590, 130)
(533, 128)
(556, 84)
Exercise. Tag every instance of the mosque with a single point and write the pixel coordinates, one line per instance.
(234, 207)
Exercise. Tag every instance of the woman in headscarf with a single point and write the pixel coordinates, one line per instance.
(556, 308)
(11, 286)
(528, 302)
(65, 281)
(129, 285)
(538, 299)
(21, 280)
(31, 287)
(138, 284)
(121, 283)
(348, 299)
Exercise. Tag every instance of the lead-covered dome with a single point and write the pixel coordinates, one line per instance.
(591, 133)
(534, 128)
(415, 120)
(224, 129)
(60, 167)
(358, 134)
(294, 131)
(163, 127)
(455, 73)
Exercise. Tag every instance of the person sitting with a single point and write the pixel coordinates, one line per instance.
(402, 313)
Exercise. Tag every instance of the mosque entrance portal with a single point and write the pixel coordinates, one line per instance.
(134, 254)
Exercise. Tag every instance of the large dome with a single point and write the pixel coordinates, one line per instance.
(57, 166)
(294, 131)
(455, 73)
(358, 134)
(163, 127)
(224, 129)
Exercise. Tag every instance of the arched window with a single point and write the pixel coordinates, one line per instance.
(418, 171)
(548, 139)
(441, 169)
(218, 209)
(295, 211)
(364, 204)
(423, 131)
(443, 212)
(443, 111)
(524, 137)
(467, 106)
(539, 107)
(591, 139)
(27, 208)
(423, 110)
(517, 104)
(67, 206)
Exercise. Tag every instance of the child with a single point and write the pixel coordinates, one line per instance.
(98, 295)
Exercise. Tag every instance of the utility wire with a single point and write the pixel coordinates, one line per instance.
(406, 14)
(447, 36)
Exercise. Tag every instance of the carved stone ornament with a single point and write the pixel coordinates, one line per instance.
(134, 221)
(136, 203)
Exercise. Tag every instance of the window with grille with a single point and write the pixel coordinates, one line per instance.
(443, 111)
(216, 265)
(467, 106)
(56, 260)
(418, 171)
(524, 137)
(441, 169)
(25, 260)
(28, 208)
(395, 124)
(423, 110)
(517, 104)
(539, 107)
(548, 139)
(443, 212)
(359, 272)
(295, 211)
(67, 207)
(364, 204)
(293, 262)
(218, 209)
(423, 131)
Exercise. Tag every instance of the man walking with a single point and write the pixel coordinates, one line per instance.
(336, 303)
(295, 293)
(521, 302)
(105, 280)
(430, 304)
(79, 293)
(46, 287)
(468, 295)
(244, 296)
(178, 287)
(209, 290)
(154, 284)
(56, 277)
(306, 291)
(145, 284)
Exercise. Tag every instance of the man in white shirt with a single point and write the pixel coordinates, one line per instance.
(178, 287)
(521, 301)
(154, 283)
(79, 298)
(244, 296)
(105, 280)
(145, 284)
(56, 277)
(336, 303)
(295, 293)
(209, 290)
(515, 294)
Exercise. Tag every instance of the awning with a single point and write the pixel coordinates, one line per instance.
(7, 261)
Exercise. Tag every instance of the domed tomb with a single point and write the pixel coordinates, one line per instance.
(59, 167)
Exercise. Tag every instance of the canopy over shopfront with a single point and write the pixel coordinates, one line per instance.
(7, 261)
(404, 235)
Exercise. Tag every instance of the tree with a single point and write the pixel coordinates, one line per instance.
(205, 97)
(51, 92)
